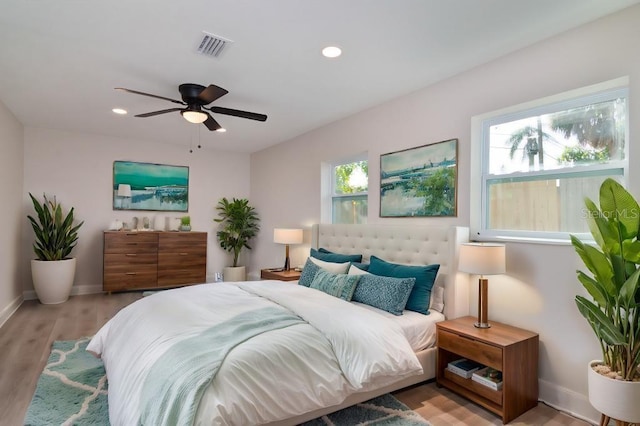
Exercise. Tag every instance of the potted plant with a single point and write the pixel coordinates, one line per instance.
(185, 223)
(614, 308)
(53, 271)
(239, 223)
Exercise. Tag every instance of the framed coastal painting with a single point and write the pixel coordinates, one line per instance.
(148, 186)
(420, 182)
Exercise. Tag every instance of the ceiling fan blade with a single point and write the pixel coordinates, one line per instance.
(164, 111)
(211, 93)
(150, 95)
(238, 113)
(211, 123)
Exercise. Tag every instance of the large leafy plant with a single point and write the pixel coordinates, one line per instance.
(239, 223)
(56, 234)
(614, 311)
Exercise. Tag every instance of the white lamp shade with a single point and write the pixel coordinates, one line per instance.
(482, 258)
(287, 236)
(124, 190)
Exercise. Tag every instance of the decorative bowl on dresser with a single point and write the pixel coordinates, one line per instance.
(152, 260)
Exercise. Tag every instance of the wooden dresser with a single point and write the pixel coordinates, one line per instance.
(152, 260)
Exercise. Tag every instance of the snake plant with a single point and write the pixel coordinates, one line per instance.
(55, 235)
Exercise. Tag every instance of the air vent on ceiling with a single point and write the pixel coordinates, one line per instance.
(212, 45)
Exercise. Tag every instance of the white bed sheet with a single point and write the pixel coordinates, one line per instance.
(419, 329)
(331, 361)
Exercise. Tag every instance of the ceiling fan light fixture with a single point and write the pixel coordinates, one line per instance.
(119, 111)
(221, 130)
(195, 117)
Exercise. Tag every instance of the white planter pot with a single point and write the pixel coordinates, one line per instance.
(618, 399)
(52, 280)
(238, 273)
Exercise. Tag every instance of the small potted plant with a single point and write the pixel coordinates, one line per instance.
(56, 235)
(185, 223)
(239, 223)
(613, 311)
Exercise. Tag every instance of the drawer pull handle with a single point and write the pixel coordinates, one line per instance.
(132, 244)
(131, 254)
(183, 254)
(131, 273)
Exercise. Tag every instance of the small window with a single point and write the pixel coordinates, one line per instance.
(350, 182)
(539, 163)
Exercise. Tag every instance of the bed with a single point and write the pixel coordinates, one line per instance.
(294, 370)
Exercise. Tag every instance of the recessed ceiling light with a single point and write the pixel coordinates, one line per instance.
(221, 130)
(332, 51)
(119, 111)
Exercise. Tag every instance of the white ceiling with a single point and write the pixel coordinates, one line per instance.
(61, 60)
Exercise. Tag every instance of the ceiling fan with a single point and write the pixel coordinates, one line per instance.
(194, 98)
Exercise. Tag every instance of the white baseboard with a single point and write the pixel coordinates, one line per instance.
(568, 401)
(10, 309)
(76, 290)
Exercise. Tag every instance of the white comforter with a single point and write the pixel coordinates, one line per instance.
(340, 349)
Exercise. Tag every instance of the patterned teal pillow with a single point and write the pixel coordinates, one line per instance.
(386, 293)
(328, 256)
(338, 285)
(425, 276)
(308, 273)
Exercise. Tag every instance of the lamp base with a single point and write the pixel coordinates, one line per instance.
(481, 325)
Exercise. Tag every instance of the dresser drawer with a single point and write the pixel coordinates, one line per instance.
(181, 268)
(466, 347)
(183, 242)
(125, 272)
(130, 242)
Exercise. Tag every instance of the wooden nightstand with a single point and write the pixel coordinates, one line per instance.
(512, 350)
(290, 275)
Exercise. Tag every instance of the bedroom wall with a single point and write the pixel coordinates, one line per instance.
(78, 169)
(538, 290)
(11, 136)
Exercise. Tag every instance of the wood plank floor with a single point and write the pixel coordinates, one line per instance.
(26, 338)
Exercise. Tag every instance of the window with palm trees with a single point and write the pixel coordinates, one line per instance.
(539, 163)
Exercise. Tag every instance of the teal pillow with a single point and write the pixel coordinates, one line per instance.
(308, 273)
(425, 277)
(335, 257)
(386, 293)
(338, 285)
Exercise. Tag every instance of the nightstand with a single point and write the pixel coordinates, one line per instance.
(511, 350)
(270, 274)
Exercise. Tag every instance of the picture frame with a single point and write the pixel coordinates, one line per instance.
(150, 186)
(420, 181)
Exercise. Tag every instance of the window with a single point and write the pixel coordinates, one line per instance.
(350, 182)
(539, 163)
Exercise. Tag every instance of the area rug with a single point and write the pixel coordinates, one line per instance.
(72, 390)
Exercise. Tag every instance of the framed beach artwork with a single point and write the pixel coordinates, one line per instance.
(420, 182)
(148, 186)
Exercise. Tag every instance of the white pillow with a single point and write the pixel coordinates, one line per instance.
(437, 298)
(334, 268)
(354, 270)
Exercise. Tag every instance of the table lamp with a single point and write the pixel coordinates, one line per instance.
(482, 259)
(287, 236)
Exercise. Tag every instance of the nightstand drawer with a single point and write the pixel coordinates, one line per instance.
(466, 347)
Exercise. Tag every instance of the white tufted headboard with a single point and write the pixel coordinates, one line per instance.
(406, 244)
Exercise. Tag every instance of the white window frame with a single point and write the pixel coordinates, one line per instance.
(334, 195)
(480, 176)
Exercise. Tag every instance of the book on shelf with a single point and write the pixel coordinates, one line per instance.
(489, 377)
(463, 367)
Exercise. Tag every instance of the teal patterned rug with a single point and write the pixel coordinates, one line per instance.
(72, 390)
